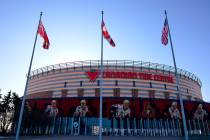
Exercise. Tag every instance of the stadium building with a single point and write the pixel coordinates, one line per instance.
(122, 78)
(139, 99)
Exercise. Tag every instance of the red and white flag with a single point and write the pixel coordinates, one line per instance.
(164, 38)
(43, 34)
(106, 34)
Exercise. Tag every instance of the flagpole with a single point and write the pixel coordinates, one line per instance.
(101, 84)
(178, 82)
(26, 85)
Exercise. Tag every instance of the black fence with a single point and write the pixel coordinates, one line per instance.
(121, 117)
(89, 126)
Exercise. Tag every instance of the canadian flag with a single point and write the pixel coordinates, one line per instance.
(106, 34)
(43, 34)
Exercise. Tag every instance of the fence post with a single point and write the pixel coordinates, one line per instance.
(168, 127)
(199, 127)
(72, 127)
(141, 127)
(121, 129)
(148, 128)
(112, 126)
(59, 125)
(53, 126)
(115, 126)
(139, 130)
(65, 125)
(155, 128)
(173, 127)
(204, 129)
(78, 126)
(180, 128)
(190, 129)
(194, 125)
(144, 127)
(162, 128)
(152, 127)
(134, 127)
(128, 126)
(207, 126)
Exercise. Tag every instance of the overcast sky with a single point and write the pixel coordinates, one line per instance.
(73, 27)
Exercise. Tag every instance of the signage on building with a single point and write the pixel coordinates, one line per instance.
(94, 74)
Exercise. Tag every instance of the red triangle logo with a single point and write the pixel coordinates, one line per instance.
(92, 75)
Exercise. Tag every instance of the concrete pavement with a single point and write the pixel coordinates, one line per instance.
(104, 138)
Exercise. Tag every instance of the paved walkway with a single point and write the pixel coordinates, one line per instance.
(104, 138)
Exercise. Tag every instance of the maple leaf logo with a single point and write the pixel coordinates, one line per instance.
(92, 75)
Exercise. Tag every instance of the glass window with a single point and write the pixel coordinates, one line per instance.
(134, 83)
(98, 82)
(116, 83)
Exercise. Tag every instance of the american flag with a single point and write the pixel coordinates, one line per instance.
(164, 38)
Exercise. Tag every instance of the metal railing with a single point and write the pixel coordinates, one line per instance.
(115, 64)
(116, 127)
